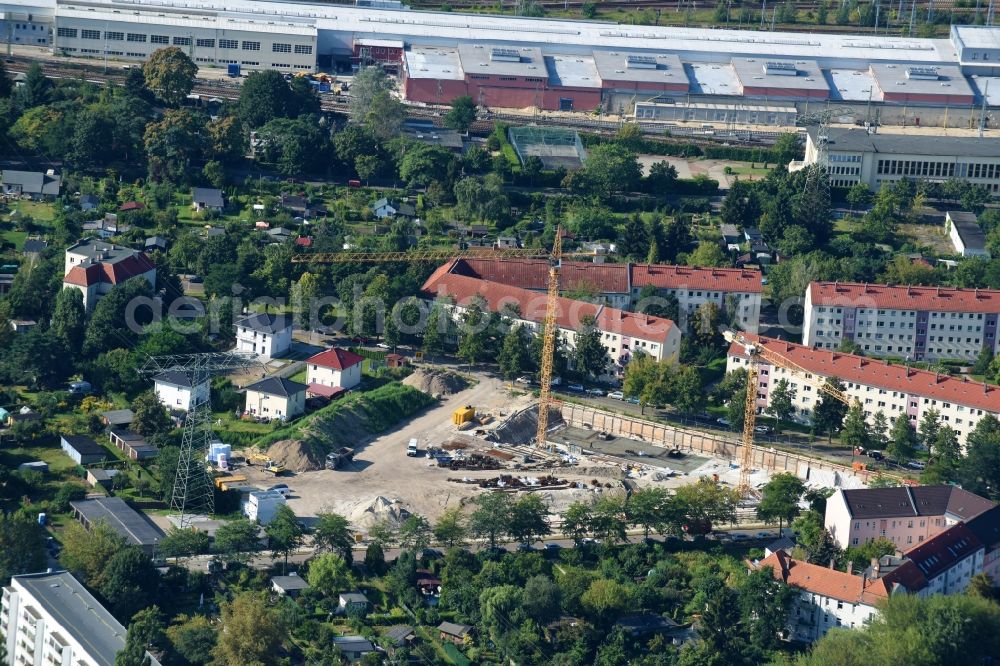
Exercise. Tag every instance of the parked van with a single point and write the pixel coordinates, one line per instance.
(411, 448)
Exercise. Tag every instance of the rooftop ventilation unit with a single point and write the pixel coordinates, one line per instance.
(498, 54)
(640, 62)
(922, 73)
(780, 68)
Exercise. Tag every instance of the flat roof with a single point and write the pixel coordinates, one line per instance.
(851, 139)
(479, 59)
(853, 85)
(433, 62)
(572, 71)
(190, 19)
(978, 36)
(78, 613)
(712, 78)
(614, 66)
(893, 78)
(122, 518)
(722, 106)
(760, 72)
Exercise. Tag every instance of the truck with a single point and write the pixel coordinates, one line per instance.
(233, 71)
(342, 456)
(411, 448)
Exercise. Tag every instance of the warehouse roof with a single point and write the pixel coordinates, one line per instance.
(499, 60)
(709, 78)
(650, 67)
(933, 299)
(922, 80)
(779, 73)
(841, 139)
(869, 372)
(433, 62)
(572, 71)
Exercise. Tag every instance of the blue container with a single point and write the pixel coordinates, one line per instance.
(234, 70)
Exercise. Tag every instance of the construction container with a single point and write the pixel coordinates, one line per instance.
(228, 480)
(463, 415)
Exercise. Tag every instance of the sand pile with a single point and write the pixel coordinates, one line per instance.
(380, 510)
(521, 427)
(436, 382)
(295, 456)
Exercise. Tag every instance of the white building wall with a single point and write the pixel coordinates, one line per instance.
(33, 637)
(746, 313)
(262, 506)
(180, 397)
(813, 615)
(274, 406)
(346, 379)
(264, 344)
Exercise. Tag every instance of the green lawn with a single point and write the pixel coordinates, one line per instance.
(299, 377)
(40, 211)
(15, 238)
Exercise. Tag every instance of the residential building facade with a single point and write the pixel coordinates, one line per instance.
(879, 386)
(334, 368)
(264, 334)
(95, 268)
(275, 397)
(919, 323)
(177, 392)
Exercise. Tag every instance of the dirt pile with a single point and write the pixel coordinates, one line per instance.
(295, 455)
(436, 382)
(520, 427)
(381, 509)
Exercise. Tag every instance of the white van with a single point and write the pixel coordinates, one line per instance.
(411, 448)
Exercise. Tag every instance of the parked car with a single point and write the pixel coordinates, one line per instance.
(723, 422)
(281, 488)
(382, 345)
(632, 401)
(916, 464)
(876, 455)
(617, 395)
(525, 379)
(360, 339)
(552, 548)
(575, 388)
(762, 429)
(596, 392)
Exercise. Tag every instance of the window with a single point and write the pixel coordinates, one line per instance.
(90, 34)
(281, 48)
(114, 36)
(133, 37)
(251, 46)
(66, 32)
(228, 44)
(159, 39)
(205, 43)
(303, 50)
(182, 41)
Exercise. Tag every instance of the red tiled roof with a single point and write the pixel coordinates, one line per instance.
(943, 550)
(115, 273)
(324, 391)
(132, 205)
(934, 299)
(304, 241)
(825, 581)
(532, 305)
(336, 358)
(871, 372)
(665, 276)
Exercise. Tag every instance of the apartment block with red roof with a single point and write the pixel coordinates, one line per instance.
(878, 385)
(95, 267)
(919, 323)
(334, 368)
(622, 333)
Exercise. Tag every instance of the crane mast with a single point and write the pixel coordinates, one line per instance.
(549, 340)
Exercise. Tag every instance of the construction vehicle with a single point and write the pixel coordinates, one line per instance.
(757, 354)
(274, 468)
(341, 456)
(463, 415)
(258, 459)
(552, 301)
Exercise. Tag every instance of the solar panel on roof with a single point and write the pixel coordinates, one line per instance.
(780, 68)
(640, 62)
(925, 73)
(505, 54)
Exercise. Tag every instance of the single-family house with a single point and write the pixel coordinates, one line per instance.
(82, 449)
(106, 227)
(289, 586)
(275, 397)
(352, 602)
(264, 334)
(95, 268)
(31, 184)
(207, 198)
(454, 632)
(385, 208)
(353, 648)
(130, 206)
(177, 391)
(334, 368)
(278, 234)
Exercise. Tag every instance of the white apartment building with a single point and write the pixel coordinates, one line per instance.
(264, 334)
(176, 392)
(96, 267)
(855, 156)
(919, 323)
(51, 619)
(949, 560)
(622, 333)
(878, 386)
(334, 368)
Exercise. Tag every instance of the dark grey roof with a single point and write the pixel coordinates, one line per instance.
(986, 527)
(914, 501)
(157, 241)
(207, 196)
(277, 386)
(644, 623)
(122, 518)
(79, 614)
(174, 377)
(354, 597)
(454, 629)
(353, 644)
(84, 445)
(119, 416)
(859, 140)
(90, 198)
(99, 474)
(32, 182)
(781, 543)
(398, 633)
(964, 505)
(108, 253)
(965, 223)
(34, 245)
(215, 231)
(265, 322)
(290, 582)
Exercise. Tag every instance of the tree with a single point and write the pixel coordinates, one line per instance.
(69, 320)
(332, 533)
(450, 529)
(662, 176)
(815, 539)
(415, 533)
(145, 632)
(649, 508)
(21, 547)
(979, 471)
(830, 412)
(36, 89)
(862, 555)
(169, 73)
(529, 519)
(6, 85)
(702, 504)
(284, 533)
(879, 430)
(606, 600)
(590, 356)
(609, 170)
(765, 603)
(577, 520)
(708, 254)
(422, 164)
(252, 634)
(174, 144)
(780, 499)
(686, 390)
(385, 116)
(859, 196)
(193, 638)
(855, 433)
(781, 405)
(474, 332)
(514, 357)
(644, 380)
(491, 519)
(461, 114)
(183, 543)
(293, 145)
(265, 95)
(633, 241)
(129, 581)
(86, 553)
(902, 439)
(930, 426)
(151, 417)
(329, 574)
(368, 82)
(541, 599)
(237, 540)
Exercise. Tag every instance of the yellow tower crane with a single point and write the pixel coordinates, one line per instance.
(551, 305)
(757, 354)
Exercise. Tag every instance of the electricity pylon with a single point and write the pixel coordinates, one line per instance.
(193, 493)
